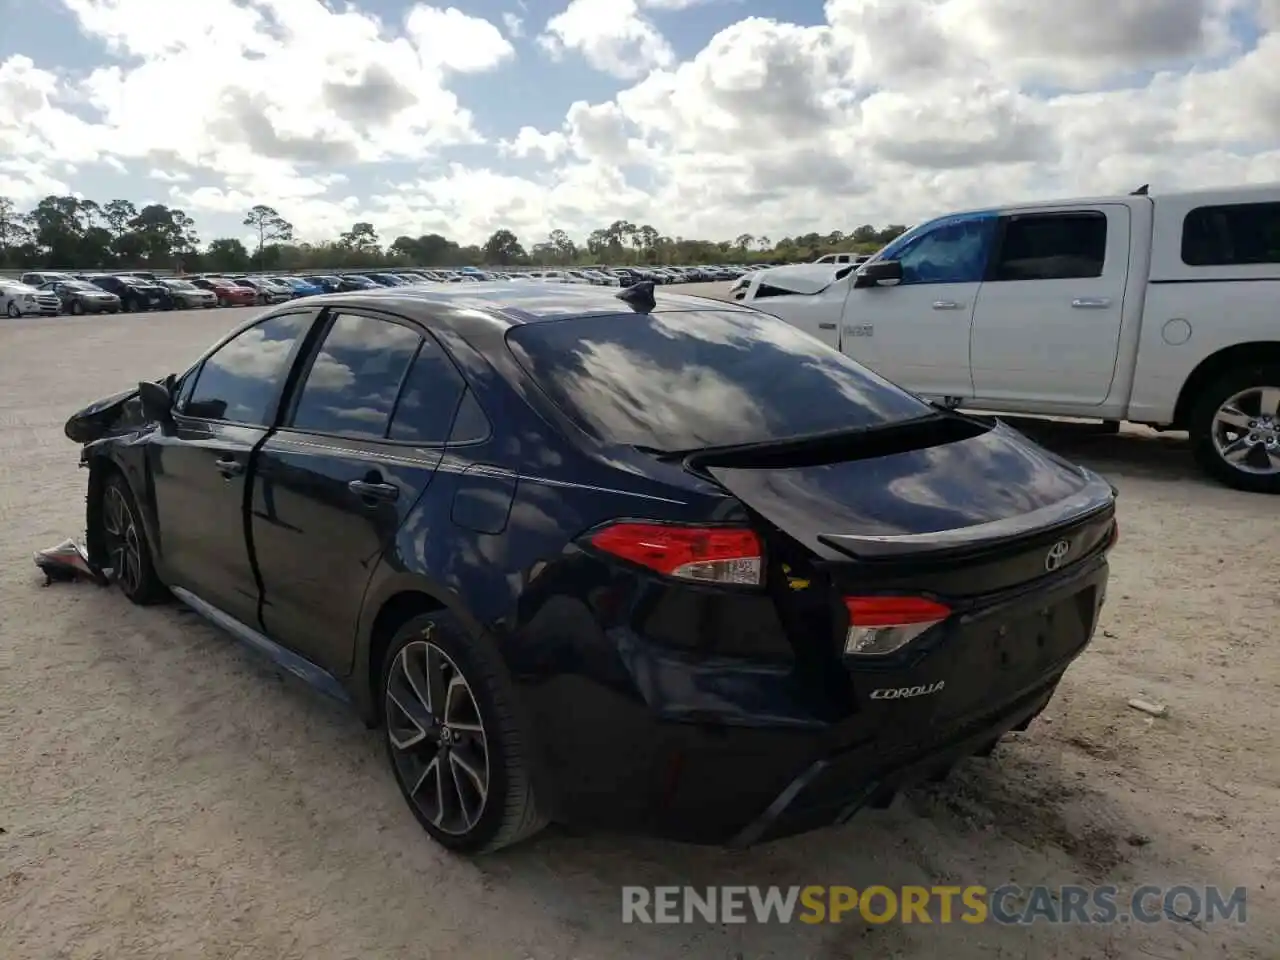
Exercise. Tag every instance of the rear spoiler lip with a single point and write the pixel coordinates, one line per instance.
(1094, 499)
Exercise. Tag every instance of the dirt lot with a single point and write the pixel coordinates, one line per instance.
(164, 793)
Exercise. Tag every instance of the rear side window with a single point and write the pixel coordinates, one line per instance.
(428, 399)
(687, 380)
(1052, 246)
(353, 382)
(1237, 234)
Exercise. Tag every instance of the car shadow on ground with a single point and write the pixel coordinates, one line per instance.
(1134, 451)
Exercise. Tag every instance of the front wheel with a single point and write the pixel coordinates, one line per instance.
(125, 540)
(12, 310)
(1235, 428)
(455, 747)
(77, 308)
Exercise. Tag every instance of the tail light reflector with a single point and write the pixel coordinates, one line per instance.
(728, 555)
(880, 625)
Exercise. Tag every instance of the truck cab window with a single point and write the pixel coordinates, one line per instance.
(952, 252)
(1052, 246)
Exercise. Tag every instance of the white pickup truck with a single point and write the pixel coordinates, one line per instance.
(1161, 310)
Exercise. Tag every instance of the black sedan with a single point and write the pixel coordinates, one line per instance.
(616, 560)
(135, 293)
(80, 296)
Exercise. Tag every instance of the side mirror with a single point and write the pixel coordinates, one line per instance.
(878, 273)
(157, 401)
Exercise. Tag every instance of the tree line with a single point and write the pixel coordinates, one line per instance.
(73, 233)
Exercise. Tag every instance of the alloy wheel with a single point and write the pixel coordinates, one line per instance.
(124, 546)
(1246, 431)
(437, 737)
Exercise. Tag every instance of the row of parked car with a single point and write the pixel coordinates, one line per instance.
(50, 293)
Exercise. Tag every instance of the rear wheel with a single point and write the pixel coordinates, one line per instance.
(452, 737)
(125, 541)
(12, 310)
(1236, 429)
(77, 308)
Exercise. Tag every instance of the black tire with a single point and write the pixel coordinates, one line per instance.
(12, 311)
(222, 302)
(1203, 430)
(508, 812)
(77, 308)
(128, 554)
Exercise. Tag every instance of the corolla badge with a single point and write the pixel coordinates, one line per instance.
(902, 693)
(1057, 555)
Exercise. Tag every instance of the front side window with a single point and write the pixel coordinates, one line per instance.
(703, 378)
(353, 383)
(951, 251)
(241, 380)
(1237, 234)
(1053, 246)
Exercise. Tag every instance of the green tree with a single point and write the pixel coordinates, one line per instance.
(226, 255)
(269, 226)
(503, 249)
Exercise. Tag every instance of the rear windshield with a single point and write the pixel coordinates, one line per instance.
(688, 380)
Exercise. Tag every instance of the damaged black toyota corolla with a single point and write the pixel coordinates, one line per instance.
(658, 565)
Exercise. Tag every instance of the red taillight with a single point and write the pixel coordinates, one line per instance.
(880, 625)
(730, 555)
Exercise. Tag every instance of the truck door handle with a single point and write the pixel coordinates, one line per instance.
(826, 326)
(373, 491)
(229, 467)
(1091, 303)
(946, 305)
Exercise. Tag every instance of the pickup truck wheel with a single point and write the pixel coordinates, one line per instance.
(1236, 429)
(128, 553)
(455, 746)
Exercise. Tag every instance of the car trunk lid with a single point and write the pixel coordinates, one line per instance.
(935, 495)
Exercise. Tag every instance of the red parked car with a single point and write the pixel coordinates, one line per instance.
(228, 293)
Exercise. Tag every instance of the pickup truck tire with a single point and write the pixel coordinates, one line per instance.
(463, 725)
(1227, 415)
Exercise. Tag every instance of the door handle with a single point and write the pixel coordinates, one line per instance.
(1091, 303)
(826, 326)
(947, 305)
(229, 467)
(371, 490)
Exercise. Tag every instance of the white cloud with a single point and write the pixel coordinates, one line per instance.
(888, 110)
(612, 35)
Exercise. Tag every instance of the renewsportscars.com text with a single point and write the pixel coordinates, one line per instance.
(1007, 904)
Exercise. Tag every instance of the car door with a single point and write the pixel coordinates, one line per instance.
(200, 466)
(1046, 328)
(335, 482)
(916, 333)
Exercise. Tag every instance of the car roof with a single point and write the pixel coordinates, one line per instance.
(510, 304)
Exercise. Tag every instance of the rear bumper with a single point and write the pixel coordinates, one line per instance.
(734, 753)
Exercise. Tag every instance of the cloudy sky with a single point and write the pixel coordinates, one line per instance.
(705, 118)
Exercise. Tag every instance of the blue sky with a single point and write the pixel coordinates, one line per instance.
(704, 117)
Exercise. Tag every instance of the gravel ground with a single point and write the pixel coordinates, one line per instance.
(164, 793)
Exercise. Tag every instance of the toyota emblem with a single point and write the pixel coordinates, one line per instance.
(1057, 555)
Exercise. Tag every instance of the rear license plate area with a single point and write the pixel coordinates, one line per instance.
(998, 657)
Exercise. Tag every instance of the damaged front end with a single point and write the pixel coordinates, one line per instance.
(118, 413)
(71, 559)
